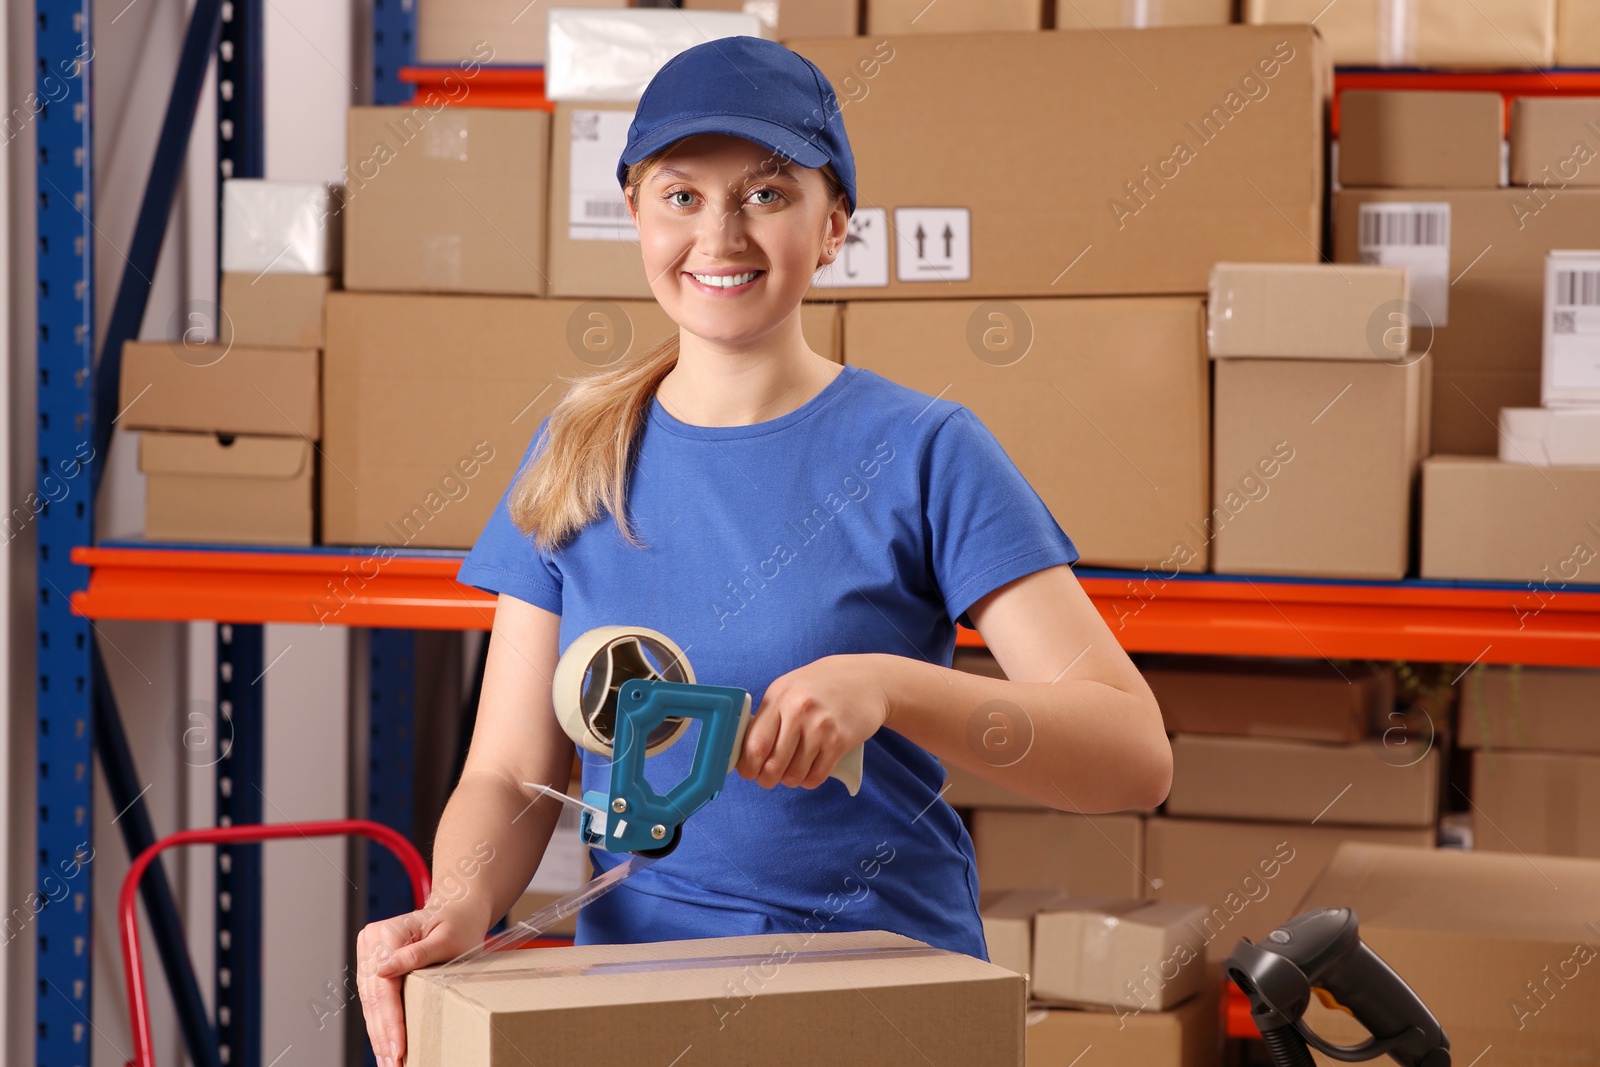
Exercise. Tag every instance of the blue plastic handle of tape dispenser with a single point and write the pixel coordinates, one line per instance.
(633, 817)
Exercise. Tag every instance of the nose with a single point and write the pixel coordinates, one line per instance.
(720, 231)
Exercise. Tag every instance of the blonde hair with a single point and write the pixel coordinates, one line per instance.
(591, 435)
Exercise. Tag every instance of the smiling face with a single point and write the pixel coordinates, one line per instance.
(721, 209)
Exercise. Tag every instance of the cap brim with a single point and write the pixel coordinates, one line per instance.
(768, 135)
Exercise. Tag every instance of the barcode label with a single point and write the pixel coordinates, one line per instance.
(595, 208)
(609, 210)
(1415, 236)
(1411, 226)
(1577, 288)
(1571, 368)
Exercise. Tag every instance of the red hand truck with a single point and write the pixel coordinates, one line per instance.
(128, 918)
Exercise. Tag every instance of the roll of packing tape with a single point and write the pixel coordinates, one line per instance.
(596, 665)
(599, 662)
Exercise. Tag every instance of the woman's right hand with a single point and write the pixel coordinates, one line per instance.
(386, 950)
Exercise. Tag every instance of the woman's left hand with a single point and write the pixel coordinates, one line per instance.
(812, 716)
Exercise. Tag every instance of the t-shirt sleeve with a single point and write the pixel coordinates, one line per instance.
(985, 524)
(505, 560)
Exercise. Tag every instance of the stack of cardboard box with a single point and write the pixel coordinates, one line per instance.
(1119, 973)
(1535, 742)
(1319, 420)
(1058, 291)
(1529, 514)
(231, 423)
(1274, 764)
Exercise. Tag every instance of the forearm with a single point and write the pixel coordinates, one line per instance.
(1075, 745)
(489, 842)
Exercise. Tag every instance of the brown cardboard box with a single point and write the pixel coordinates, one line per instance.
(1577, 33)
(594, 246)
(1484, 940)
(1117, 953)
(1108, 14)
(918, 16)
(273, 310)
(1420, 139)
(1546, 803)
(1315, 466)
(1428, 33)
(793, 18)
(1302, 701)
(1484, 519)
(1101, 403)
(422, 389)
(1555, 142)
(1369, 783)
(1149, 210)
(447, 201)
(1008, 924)
(848, 997)
(1248, 875)
(1087, 855)
(212, 388)
(497, 31)
(1550, 708)
(1307, 311)
(1487, 352)
(245, 489)
(1187, 1036)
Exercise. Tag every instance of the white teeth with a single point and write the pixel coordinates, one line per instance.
(724, 281)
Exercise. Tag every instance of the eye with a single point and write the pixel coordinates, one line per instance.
(672, 197)
(768, 203)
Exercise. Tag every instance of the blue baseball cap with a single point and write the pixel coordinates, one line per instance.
(746, 87)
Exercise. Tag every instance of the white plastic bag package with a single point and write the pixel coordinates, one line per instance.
(612, 55)
(280, 227)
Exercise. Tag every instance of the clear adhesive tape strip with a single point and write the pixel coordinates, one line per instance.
(608, 649)
(554, 912)
(778, 956)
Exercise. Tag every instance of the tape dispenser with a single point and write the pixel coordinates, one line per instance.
(628, 693)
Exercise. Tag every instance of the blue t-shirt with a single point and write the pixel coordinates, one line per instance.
(863, 521)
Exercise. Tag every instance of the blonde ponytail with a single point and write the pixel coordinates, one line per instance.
(590, 438)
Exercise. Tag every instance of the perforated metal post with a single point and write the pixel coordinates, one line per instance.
(394, 25)
(240, 800)
(390, 761)
(61, 509)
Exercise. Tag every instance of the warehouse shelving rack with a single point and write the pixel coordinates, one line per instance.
(79, 581)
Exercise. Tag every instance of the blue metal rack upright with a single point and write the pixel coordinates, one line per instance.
(77, 717)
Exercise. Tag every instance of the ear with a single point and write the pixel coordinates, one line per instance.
(835, 227)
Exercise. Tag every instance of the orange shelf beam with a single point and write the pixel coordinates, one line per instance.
(356, 588)
(1423, 621)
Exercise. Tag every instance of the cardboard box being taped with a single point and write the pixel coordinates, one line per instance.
(780, 1000)
(1115, 953)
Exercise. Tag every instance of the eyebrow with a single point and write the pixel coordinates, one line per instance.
(784, 171)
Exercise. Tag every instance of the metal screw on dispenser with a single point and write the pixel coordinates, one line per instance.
(619, 805)
(658, 831)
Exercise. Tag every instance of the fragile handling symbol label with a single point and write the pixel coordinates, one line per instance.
(933, 244)
(863, 260)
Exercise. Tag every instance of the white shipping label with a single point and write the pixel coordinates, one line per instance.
(1574, 361)
(1415, 236)
(596, 210)
(863, 262)
(933, 244)
(565, 865)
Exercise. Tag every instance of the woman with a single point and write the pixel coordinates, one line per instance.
(805, 531)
